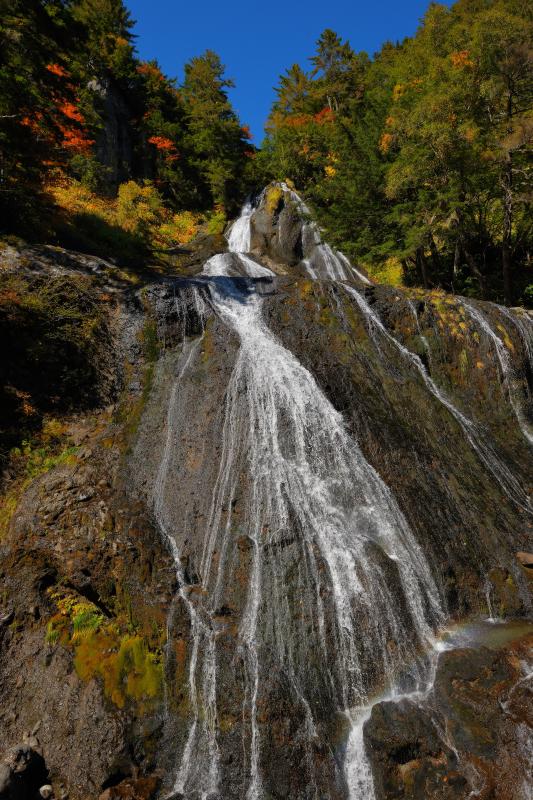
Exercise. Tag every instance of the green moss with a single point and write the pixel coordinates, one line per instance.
(128, 669)
(207, 345)
(130, 410)
(8, 506)
(150, 341)
(463, 361)
(273, 198)
(505, 593)
(108, 649)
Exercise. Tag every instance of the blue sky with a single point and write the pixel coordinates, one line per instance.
(259, 41)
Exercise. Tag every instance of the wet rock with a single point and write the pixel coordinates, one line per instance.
(277, 227)
(408, 758)
(468, 685)
(469, 735)
(132, 789)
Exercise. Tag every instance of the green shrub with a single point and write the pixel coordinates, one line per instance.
(216, 222)
(139, 208)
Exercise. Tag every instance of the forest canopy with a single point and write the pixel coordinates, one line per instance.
(416, 160)
(76, 100)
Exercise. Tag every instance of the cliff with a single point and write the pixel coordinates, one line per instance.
(268, 498)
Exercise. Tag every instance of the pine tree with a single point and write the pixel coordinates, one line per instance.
(109, 41)
(337, 71)
(215, 137)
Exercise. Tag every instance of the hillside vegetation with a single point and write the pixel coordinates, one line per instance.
(78, 108)
(418, 161)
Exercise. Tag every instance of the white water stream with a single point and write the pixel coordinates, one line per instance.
(306, 479)
(506, 368)
(307, 491)
(323, 261)
(472, 431)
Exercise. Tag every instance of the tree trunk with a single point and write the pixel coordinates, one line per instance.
(457, 257)
(458, 252)
(435, 257)
(478, 274)
(422, 266)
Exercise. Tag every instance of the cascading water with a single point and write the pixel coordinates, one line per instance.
(505, 363)
(308, 492)
(338, 605)
(240, 233)
(473, 433)
(322, 261)
(201, 746)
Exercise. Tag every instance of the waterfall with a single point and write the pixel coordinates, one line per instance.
(312, 469)
(336, 601)
(474, 435)
(314, 507)
(239, 235)
(505, 363)
(321, 260)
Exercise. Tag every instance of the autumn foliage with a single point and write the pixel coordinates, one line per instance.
(433, 140)
(61, 62)
(58, 70)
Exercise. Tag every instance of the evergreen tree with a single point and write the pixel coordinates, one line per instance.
(109, 41)
(425, 156)
(337, 71)
(215, 138)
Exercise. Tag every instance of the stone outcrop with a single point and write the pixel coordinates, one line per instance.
(473, 732)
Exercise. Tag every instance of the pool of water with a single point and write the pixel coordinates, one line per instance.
(492, 633)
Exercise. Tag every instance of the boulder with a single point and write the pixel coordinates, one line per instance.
(408, 758)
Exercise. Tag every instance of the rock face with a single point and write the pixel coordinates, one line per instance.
(179, 614)
(472, 734)
(114, 144)
(282, 232)
(86, 579)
